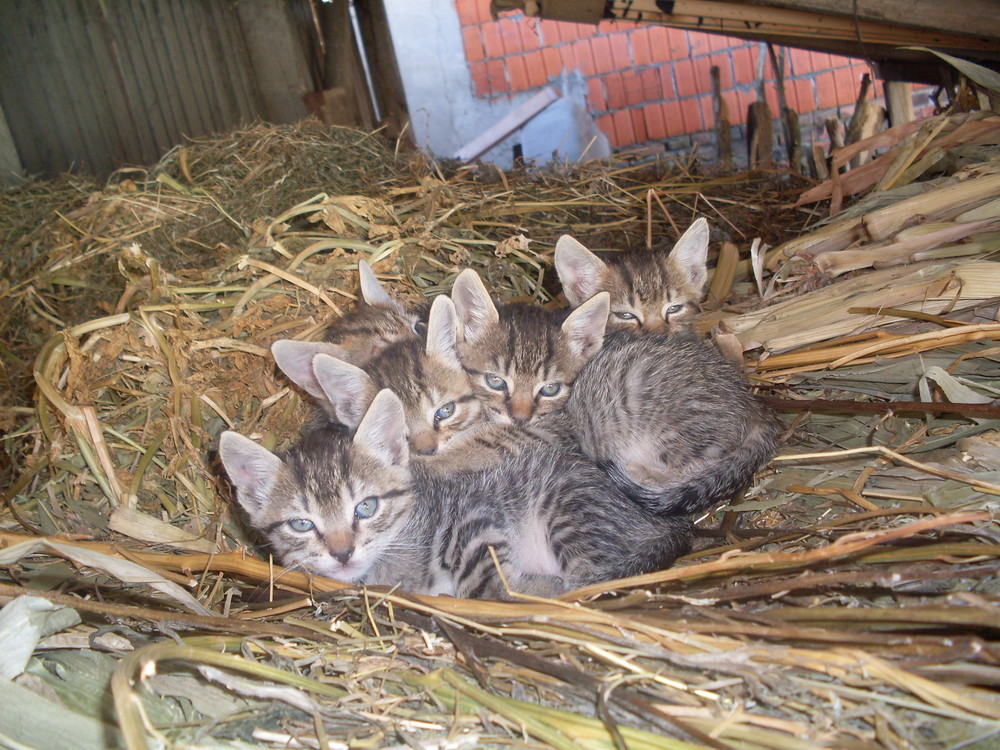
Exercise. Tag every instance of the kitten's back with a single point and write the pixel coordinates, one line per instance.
(672, 420)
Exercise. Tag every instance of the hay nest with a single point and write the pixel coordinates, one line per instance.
(851, 604)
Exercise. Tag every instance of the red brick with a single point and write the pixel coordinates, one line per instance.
(826, 90)
(799, 93)
(467, 13)
(679, 46)
(667, 81)
(684, 74)
(530, 39)
(497, 73)
(570, 32)
(800, 61)
(535, 64)
(743, 65)
(606, 124)
(725, 70)
(623, 127)
(744, 98)
(652, 91)
(620, 53)
(639, 125)
(547, 33)
(821, 60)
(673, 120)
(480, 78)
(656, 124)
(691, 114)
(612, 26)
(737, 114)
(510, 35)
(483, 14)
(659, 43)
(615, 88)
(707, 115)
(597, 99)
(642, 52)
(634, 94)
(848, 82)
(474, 51)
(603, 62)
(554, 60)
(518, 73)
(492, 43)
(699, 43)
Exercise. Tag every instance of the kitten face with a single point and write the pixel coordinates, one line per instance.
(648, 293)
(520, 360)
(376, 323)
(437, 399)
(332, 505)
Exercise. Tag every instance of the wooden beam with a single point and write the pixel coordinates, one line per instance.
(508, 124)
(899, 102)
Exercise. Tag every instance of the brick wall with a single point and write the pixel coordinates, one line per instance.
(652, 83)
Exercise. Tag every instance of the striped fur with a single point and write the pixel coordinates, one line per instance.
(649, 292)
(553, 520)
(522, 360)
(672, 420)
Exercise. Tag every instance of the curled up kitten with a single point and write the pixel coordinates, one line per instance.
(362, 509)
(649, 292)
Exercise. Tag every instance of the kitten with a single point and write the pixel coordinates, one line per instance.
(438, 400)
(361, 509)
(521, 359)
(360, 335)
(648, 293)
(672, 420)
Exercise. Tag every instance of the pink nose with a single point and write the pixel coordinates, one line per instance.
(521, 408)
(424, 443)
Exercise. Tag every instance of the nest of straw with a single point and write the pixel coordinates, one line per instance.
(849, 602)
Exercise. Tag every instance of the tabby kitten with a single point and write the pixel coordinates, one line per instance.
(520, 358)
(648, 293)
(376, 322)
(361, 509)
(438, 401)
(672, 420)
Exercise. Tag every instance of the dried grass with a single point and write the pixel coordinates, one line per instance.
(851, 605)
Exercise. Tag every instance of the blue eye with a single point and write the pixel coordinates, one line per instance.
(625, 315)
(419, 327)
(445, 411)
(550, 389)
(301, 525)
(495, 382)
(367, 507)
(675, 308)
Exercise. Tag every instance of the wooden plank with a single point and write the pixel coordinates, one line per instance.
(508, 124)
(899, 102)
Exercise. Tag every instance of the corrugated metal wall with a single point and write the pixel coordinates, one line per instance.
(101, 84)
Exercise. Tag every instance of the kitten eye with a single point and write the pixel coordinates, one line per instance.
(675, 308)
(445, 411)
(419, 327)
(550, 389)
(301, 525)
(366, 508)
(495, 382)
(625, 315)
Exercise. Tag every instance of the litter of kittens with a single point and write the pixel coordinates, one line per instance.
(851, 604)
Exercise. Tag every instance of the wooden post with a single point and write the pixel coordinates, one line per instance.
(723, 127)
(899, 101)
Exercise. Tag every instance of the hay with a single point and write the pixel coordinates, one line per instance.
(852, 605)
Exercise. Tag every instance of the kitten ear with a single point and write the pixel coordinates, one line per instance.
(579, 270)
(383, 429)
(348, 388)
(252, 468)
(442, 330)
(585, 325)
(372, 292)
(476, 311)
(688, 260)
(295, 358)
